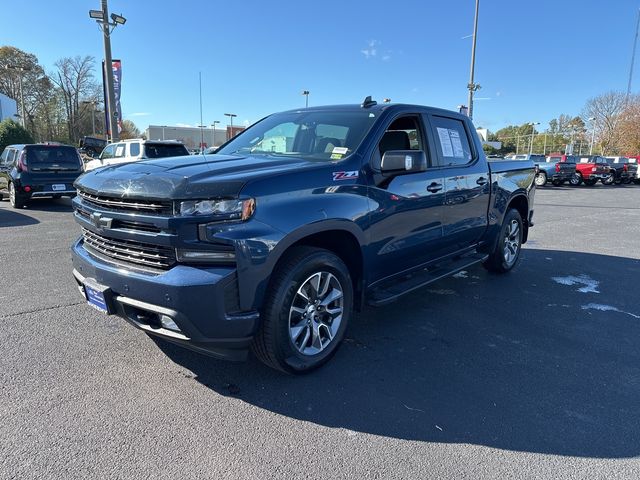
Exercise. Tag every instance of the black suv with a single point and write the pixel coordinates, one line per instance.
(38, 170)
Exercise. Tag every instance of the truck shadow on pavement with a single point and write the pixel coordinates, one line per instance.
(525, 362)
(12, 218)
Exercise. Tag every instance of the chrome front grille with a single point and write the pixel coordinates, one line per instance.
(127, 251)
(127, 205)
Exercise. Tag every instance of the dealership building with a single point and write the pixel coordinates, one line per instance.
(192, 137)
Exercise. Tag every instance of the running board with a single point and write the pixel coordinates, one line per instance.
(391, 290)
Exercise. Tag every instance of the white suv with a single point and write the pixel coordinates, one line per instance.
(136, 149)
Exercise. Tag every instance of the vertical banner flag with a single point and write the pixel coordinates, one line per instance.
(117, 82)
(116, 65)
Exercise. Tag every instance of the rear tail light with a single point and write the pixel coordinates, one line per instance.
(557, 168)
(625, 168)
(22, 162)
(26, 188)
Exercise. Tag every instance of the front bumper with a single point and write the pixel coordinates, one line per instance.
(201, 302)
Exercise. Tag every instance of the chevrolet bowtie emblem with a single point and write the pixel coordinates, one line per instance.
(101, 222)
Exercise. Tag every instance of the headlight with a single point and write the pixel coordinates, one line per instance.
(227, 209)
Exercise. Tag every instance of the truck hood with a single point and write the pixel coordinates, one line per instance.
(193, 176)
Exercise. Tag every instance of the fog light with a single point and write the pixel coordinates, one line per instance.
(168, 323)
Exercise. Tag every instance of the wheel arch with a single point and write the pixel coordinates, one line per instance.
(343, 238)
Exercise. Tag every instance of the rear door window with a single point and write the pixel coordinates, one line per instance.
(451, 140)
(134, 149)
(120, 150)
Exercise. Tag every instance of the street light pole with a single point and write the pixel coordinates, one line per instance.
(213, 126)
(102, 17)
(533, 132)
(231, 115)
(471, 85)
(593, 133)
(21, 70)
(306, 100)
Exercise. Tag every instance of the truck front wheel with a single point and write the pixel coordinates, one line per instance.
(306, 311)
(507, 251)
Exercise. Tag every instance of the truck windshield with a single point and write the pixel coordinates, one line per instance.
(312, 135)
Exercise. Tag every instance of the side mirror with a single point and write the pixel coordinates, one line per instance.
(402, 162)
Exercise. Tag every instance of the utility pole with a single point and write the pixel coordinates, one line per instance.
(633, 56)
(471, 85)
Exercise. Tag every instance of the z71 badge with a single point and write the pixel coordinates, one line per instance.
(345, 175)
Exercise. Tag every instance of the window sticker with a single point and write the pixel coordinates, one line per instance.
(445, 142)
(340, 150)
(335, 156)
(454, 135)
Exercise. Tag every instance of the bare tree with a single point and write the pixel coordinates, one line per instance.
(606, 110)
(74, 77)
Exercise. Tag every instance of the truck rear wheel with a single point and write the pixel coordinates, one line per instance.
(576, 179)
(507, 251)
(541, 179)
(306, 311)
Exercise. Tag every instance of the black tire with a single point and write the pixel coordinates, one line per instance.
(557, 183)
(15, 199)
(541, 179)
(576, 179)
(590, 182)
(276, 344)
(505, 256)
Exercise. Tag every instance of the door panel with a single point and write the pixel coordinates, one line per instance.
(467, 200)
(407, 210)
(466, 181)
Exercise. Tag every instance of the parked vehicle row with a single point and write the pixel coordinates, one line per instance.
(578, 169)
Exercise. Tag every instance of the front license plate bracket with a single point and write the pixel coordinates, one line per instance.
(98, 296)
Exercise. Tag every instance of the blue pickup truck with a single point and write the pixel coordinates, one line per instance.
(550, 168)
(271, 244)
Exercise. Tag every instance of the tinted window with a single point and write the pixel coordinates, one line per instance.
(49, 156)
(134, 149)
(451, 141)
(160, 150)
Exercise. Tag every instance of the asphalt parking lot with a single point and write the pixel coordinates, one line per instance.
(533, 374)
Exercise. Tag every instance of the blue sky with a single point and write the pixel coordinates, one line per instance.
(535, 60)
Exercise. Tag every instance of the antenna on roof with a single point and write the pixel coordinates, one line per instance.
(368, 102)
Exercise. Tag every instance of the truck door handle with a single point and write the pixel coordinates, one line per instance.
(434, 187)
(481, 181)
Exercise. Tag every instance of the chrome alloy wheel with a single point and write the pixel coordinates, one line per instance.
(12, 194)
(316, 313)
(511, 242)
